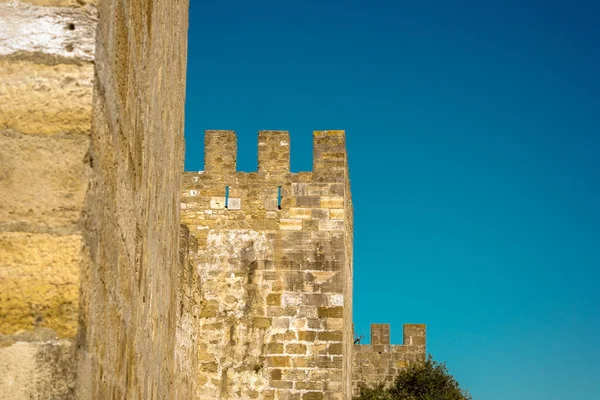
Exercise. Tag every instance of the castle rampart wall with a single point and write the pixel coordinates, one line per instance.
(274, 259)
(380, 361)
(136, 338)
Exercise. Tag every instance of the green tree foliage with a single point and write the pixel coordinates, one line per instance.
(428, 381)
(377, 392)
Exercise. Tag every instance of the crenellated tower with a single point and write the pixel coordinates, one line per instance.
(275, 264)
(381, 361)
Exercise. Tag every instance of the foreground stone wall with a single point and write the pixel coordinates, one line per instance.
(274, 258)
(130, 343)
(380, 361)
(46, 73)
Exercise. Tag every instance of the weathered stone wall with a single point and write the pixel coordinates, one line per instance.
(188, 314)
(381, 361)
(36, 365)
(131, 343)
(275, 273)
(250, 298)
(46, 73)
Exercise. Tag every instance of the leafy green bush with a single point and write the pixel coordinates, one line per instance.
(428, 381)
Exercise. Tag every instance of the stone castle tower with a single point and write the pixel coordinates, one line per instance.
(123, 277)
(275, 264)
(274, 256)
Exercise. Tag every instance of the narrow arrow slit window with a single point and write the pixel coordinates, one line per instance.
(279, 197)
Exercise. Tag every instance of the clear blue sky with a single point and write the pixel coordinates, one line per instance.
(473, 132)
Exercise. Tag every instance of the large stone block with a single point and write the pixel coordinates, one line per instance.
(39, 282)
(56, 3)
(37, 370)
(43, 181)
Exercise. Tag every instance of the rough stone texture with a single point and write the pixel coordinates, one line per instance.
(43, 99)
(45, 108)
(381, 361)
(132, 335)
(276, 275)
(35, 367)
(188, 314)
(40, 287)
(46, 76)
(42, 181)
(56, 3)
(53, 34)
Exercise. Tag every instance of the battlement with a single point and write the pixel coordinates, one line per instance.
(381, 361)
(413, 335)
(329, 154)
(271, 198)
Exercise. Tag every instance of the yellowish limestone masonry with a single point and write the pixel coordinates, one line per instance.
(276, 274)
(136, 335)
(381, 361)
(274, 261)
(121, 277)
(46, 74)
(45, 120)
